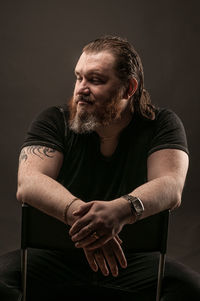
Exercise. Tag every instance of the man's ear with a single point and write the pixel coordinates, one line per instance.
(132, 87)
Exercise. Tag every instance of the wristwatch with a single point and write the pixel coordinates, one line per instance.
(137, 207)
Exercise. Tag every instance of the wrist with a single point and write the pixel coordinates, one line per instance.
(136, 207)
(124, 211)
(69, 217)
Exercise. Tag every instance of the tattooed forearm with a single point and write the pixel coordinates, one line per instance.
(37, 150)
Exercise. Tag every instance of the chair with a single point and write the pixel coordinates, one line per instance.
(40, 230)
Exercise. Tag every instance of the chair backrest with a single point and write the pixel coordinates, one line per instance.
(147, 235)
(40, 230)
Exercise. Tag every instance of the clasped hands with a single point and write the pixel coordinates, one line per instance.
(96, 231)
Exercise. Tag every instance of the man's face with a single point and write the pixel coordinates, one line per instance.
(96, 100)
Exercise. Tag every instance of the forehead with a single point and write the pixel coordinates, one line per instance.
(101, 62)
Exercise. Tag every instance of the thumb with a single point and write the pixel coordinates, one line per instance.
(83, 209)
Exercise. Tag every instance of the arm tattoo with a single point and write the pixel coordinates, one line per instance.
(23, 156)
(37, 150)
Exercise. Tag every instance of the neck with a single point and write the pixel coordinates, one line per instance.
(113, 130)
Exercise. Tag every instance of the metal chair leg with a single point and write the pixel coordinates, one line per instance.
(160, 275)
(24, 272)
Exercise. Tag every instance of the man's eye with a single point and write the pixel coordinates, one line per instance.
(96, 81)
(78, 78)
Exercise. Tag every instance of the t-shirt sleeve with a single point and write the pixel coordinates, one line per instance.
(47, 129)
(169, 133)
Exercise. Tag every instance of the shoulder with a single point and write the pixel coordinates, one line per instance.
(163, 117)
(48, 128)
(52, 113)
(168, 131)
(166, 119)
(162, 114)
(53, 117)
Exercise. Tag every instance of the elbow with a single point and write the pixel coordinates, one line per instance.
(176, 201)
(19, 193)
(176, 193)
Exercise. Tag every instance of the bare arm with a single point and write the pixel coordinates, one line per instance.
(166, 177)
(167, 171)
(39, 167)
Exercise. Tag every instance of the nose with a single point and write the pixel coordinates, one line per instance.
(82, 88)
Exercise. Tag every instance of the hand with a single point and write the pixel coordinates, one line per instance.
(106, 256)
(98, 222)
(71, 218)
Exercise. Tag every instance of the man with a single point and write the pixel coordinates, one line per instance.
(104, 160)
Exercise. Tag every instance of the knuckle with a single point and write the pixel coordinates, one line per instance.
(99, 222)
(92, 215)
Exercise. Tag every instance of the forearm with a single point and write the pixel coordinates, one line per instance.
(166, 176)
(45, 194)
(159, 194)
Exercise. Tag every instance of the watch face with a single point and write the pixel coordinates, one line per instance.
(137, 204)
(139, 208)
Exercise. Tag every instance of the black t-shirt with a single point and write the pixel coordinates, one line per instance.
(89, 175)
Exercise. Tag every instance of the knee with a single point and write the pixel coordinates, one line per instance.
(180, 283)
(8, 293)
(10, 276)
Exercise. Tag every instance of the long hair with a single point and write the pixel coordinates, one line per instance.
(127, 65)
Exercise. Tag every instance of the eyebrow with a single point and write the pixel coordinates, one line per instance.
(92, 72)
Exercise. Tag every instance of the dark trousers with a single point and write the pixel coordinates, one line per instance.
(54, 275)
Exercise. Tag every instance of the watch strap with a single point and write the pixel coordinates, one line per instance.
(136, 205)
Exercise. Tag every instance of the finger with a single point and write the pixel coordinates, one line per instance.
(89, 240)
(119, 254)
(85, 242)
(91, 260)
(83, 209)
(111, 261)
(78, 225)
(99, 257)
(85, 233)
(93, 245)
(118, 239)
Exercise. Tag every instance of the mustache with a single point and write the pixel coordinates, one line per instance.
(83, 98)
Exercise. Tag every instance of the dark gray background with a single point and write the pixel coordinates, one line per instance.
(40, 43)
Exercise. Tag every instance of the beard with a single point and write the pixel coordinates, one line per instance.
(86, 122)
(83, 123)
